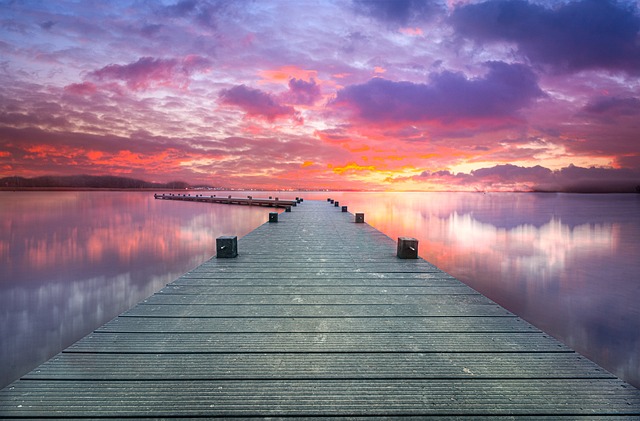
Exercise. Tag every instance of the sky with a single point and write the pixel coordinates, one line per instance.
(495, 95)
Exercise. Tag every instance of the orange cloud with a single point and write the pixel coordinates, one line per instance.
(412, 32)
(94, 155)
(284, 73)
(351, 167)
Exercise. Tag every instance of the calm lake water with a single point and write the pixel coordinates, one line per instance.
(568, 263)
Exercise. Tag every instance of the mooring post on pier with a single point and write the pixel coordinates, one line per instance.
(331, 201)
(344, 209)
(336, 204)
(359, 218)
(227, 246)
(273, 216)
(287, 209)
(407, 248)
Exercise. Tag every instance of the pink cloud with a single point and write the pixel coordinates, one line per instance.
(84, 88)
(257, 103)
(150, 72)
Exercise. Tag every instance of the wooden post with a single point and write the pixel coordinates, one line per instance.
(287, 209)
(359, 218)
(227, 246)
(407, 248)
(336, 204)
(273, 216)
(344, 209)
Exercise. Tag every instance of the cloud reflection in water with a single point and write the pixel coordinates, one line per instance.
(73, 260)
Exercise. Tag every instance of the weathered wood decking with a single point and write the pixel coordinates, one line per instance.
(317, 317)
(228, 200)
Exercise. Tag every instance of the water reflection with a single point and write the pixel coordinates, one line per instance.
(73, 260)
(567, 263)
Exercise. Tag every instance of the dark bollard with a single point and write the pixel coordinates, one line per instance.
(328, 199)
(359, 218)
(287, 209)
(273, 216)
(336, 204)
(301, 200)
(332, 201)
(407, 248)
(227, 246)
(344, 209)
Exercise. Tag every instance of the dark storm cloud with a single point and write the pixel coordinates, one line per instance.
(448, 97)
(587, 34)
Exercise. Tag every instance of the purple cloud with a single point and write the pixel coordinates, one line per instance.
(205, 13)
(149, 71)
(614, 106)
(587, 34)
(448, 97)
(398, 12)
(255, 102)
(302, 92)
(538, 178)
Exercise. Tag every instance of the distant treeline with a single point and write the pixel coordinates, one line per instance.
(87, 182)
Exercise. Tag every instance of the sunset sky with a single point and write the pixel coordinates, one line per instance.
(381, 95)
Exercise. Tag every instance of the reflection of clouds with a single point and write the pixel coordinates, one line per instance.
(39, 322)
(71, 261)
(99, 231)
(535, 253)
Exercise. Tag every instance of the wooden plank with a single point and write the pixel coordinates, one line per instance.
(182, 289)
(323, 342)
(357, 365)
(320, 299)
(133, 324)
(315, 279)
(503, 397)
(324, 310)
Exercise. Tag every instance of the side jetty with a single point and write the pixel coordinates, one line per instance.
(230, 200)
(314, 314)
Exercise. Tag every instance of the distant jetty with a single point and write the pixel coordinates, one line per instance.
(229, 200)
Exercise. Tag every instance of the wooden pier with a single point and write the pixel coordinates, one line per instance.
(229, 200)
(317, 317)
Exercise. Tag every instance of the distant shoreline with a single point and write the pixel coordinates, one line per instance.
(151, 189)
